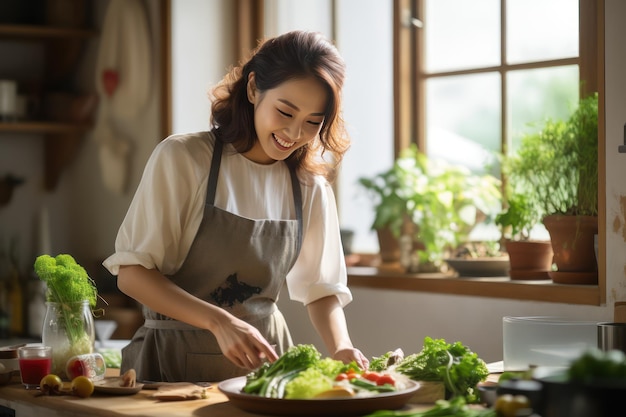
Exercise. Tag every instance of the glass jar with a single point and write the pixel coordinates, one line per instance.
(69, 329)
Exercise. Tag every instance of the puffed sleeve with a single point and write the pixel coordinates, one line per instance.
(165, 204)
(320, 269)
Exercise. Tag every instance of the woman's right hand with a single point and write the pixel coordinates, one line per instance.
(242, 343)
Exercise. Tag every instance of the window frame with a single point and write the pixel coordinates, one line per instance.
(409, 76)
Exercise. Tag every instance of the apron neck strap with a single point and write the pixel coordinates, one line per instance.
(212, 187)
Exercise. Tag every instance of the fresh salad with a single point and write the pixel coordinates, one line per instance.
(302, 373)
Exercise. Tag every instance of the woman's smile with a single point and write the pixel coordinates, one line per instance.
(283, 144)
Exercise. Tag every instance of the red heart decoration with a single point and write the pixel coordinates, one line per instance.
(110, 79)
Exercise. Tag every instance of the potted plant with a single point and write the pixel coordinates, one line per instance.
(390, 191)
(431, 202)
(528, 258)
(558, 167)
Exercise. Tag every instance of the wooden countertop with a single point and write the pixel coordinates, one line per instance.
(27, 404)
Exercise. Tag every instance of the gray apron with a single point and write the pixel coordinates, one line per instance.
(235, 263)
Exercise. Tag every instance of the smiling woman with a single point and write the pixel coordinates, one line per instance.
(253, 186)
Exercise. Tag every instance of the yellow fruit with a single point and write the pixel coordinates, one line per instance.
(507, 404)
(82, 386)
(50, 384)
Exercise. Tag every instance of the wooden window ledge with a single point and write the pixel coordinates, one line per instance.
(393, 278)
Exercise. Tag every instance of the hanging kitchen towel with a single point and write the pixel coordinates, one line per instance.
(123, 79)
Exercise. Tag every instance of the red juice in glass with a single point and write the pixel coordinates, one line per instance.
(35, 363)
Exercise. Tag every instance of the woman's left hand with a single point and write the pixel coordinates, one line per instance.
(351, 354)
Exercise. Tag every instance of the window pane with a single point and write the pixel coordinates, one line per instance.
(461, 34)
(539, 30)
(463, 119)
(538, 94)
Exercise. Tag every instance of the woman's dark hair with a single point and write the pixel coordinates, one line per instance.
(293, 55)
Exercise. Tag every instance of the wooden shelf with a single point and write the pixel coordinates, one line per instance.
(62, 140)
(43, 32)
(43, 127)
(497, 287)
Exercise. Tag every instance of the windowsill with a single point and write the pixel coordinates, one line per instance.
(392, 278)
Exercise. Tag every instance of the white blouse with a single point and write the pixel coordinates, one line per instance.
(166, 210)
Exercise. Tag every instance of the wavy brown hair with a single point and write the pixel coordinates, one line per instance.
(293, 55)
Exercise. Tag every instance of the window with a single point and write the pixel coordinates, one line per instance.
(472, 77)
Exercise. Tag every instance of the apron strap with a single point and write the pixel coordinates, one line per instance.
(212, 187)
(214, 173)
(297, 201)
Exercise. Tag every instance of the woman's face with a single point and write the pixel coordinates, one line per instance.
(286, 117)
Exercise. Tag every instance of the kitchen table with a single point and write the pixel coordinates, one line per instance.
(19, 402)
(27, 404)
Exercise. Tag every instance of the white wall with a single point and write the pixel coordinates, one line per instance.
(615, 161)
(202, 45)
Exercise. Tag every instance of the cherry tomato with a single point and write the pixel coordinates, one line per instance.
(341, 377)
(371, 376)
(386, 379)
(82, 386)
(353, 374)
(76, 368)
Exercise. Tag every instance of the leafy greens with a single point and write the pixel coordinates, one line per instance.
(454, 364)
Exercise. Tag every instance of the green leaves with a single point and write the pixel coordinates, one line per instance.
(455, 407)
(454, 364)
(557, 167)
(442, 200)
(595, 364)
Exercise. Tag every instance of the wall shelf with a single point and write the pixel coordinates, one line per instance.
(62, 139)
(9, 31)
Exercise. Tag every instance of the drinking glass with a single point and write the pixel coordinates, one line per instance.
(35, 363)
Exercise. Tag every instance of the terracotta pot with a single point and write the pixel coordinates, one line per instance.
(531, 259)
(573, 243)
(389, 245)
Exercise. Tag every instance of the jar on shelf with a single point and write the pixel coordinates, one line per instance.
(69, 329)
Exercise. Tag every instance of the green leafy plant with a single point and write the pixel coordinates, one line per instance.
(556, 168)
(452, 363)
(443, 201)
(519, 218)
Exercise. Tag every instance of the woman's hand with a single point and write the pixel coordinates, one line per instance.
(242, 343)
(352, 354)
